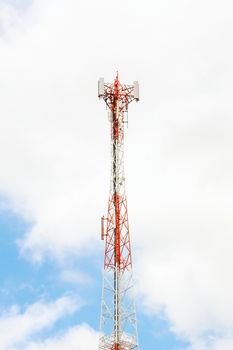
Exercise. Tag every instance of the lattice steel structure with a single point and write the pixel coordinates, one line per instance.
(118, 325)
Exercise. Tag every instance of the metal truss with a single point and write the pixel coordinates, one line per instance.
(118, 325)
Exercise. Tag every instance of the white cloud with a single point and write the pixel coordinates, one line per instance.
(77, 338)
(74, 277)
(52, 145)
(54, 163)
(18, 326)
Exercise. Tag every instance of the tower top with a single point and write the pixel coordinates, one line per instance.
(125, 93)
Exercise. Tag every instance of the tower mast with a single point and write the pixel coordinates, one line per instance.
(118, 324)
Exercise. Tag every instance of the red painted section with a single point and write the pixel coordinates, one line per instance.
(118, 231)
(117, 210)
(114, 106)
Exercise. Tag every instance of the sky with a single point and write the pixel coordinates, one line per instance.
(55, 169)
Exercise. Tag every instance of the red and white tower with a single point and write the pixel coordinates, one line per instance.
(118, 325)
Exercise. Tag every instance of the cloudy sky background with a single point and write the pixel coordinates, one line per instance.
(55, 166)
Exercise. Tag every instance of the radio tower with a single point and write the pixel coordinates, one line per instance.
(118, 325)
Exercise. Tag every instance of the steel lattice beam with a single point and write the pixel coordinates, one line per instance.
(118, 326)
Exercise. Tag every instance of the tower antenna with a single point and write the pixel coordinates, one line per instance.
(118, 324)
